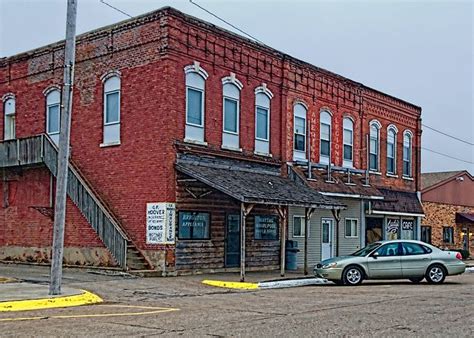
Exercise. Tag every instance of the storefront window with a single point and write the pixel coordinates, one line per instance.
(193, 225)
(266, 227)
(448, 235)
(408, 226)
(393, 228)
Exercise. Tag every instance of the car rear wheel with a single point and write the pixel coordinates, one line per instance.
(353, 275)
(416, 280)
(435, 274)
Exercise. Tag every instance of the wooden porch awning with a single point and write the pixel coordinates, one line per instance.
(465, 217)
(257, 187)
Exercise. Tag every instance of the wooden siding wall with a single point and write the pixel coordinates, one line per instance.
(209, 254)
(346, 245)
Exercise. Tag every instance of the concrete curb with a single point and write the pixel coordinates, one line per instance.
(85, 298)
(470, 269)
(278, 284)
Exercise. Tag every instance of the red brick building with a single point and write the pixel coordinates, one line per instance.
(448, 201)
(172, 119)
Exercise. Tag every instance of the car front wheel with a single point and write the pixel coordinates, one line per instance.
(435, 274)
(353, 275)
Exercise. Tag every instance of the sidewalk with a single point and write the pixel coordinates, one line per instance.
(21, 296)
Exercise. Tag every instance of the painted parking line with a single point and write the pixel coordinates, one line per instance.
(85, 298)
(148, 310)
(289, 283)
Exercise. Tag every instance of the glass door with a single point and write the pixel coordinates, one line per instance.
(232, 241)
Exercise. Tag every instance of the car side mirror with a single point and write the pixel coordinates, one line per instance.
(375, 255)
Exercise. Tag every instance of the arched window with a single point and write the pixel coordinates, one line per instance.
(9, 124)
(348, 142)
(299, 144)
(53, 114)
(407, 145)
(231, 110)
(195, 94)
(325, 137)
(374, 146)
(263, 97)
(392, 150)
(111, 110)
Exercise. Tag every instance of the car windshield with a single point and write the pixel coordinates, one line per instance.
(368, 249)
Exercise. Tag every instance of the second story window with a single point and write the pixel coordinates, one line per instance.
(231, 111)
(9, 124)
(195, 107)
(299, 142)
(348, 140)
(407, 145)
(392, 150)
(53, 114)
(374, 146)
(112, 111)
(262, 120)
(325, 137)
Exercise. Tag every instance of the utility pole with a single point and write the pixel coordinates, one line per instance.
(63, 153)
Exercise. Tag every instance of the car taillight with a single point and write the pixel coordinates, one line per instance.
(459, 256)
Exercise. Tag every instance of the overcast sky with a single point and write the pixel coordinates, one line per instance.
(419, 51)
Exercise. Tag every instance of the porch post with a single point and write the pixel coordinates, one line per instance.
(337, 216)
(242, 241)
(308, 213)
(283, 219)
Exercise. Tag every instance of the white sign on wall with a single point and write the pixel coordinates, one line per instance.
(160, 223)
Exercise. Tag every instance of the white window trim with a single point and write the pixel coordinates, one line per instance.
(202, 107)
(357, 227)
(348, 163)
(321, 156)
(268, 124)
(303, 231)
(47, 119)
(11, 115)
(410, 149)
(304, 117)
(105, 107)
(379, 127)
(223, 115)
(395, 130)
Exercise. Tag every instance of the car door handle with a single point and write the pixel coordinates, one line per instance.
(425, 259)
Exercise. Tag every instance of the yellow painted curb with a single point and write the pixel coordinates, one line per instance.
(231, 285)
(7, 280)
(49, 303)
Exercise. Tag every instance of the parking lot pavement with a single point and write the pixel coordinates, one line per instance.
(183, 306)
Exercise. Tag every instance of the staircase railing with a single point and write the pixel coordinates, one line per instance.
(41, 149)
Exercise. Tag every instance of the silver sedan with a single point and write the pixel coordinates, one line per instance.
(399, 259)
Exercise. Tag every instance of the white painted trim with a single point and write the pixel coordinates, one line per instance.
(388, 213)
(357, 226)
(111, 144)
(52, 88)
(304, 227)
(335, 194)
(111, 73)
(231, 148)
(8, 96)
(201, 143)
(232, 80)
(196, 68)
(264, 90)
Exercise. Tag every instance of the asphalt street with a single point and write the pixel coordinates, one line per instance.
(182, 306)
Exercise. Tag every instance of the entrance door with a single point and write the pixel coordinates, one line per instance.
(327, 225)
(232, 241)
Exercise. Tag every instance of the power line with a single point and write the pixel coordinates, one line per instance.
(445, 155)
(227, 22)
(117, 9)
(443, 133)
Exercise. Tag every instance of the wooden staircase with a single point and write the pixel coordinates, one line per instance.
(41, 150)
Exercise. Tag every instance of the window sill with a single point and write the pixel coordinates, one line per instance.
(391, 175)
(232, 149)
(351, 237)
(375, 172)
(105, 145)
(262, 154)
(408, 178)
(201, 143)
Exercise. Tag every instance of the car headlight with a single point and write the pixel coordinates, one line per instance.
(329, 265)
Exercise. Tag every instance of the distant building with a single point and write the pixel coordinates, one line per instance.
(448, 202)
(193, 148)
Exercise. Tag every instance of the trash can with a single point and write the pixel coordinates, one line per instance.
(291, 250)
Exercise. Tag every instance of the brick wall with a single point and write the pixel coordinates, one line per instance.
(440, 215)
(151, 52)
